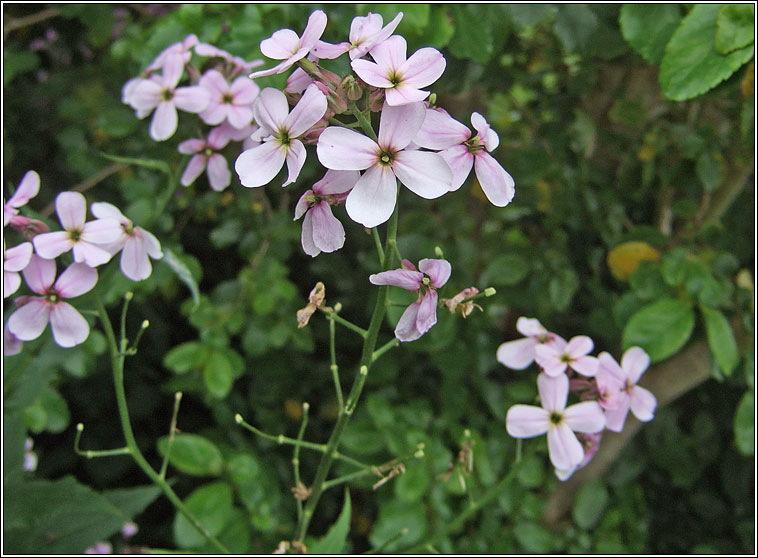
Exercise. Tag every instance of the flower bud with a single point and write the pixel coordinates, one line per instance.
(352, 88)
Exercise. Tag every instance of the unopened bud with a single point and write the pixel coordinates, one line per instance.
(338, 307)
(489, 291)
(438, 252)
(352, 88)
(238, 418)
(432, 100)
(145, 324)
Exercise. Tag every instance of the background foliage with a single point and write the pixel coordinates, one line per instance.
(629, 132)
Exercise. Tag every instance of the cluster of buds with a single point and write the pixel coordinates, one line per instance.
(92, 244)
(606, 389)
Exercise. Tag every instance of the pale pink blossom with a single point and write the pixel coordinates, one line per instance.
(557, 421)
(68, 326)
(279, 130)
(401, 78)
(555, 360)
(205, 154)
(136, 244)
(85, 238)
(160, 92)
(590, 444)
(421, 315)
(238, 64)
(27, 189)
(232, 102)
(285, 45)
(372, 200)
(462, 151)
(519, 354)
(634, 362)
(366, 32)
(183, 49)
(12, 345)
(322, 231)
(14, 261)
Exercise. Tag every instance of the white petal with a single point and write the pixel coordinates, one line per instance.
(424, 173)
(372, 199)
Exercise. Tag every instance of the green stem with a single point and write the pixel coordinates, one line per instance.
(333, 366)
(171, 434)
(349, 325)
(378, 242)
(384, 348)
(296, 457)
(117, 364)
(367, 355)
(364, 122)
(89, 454)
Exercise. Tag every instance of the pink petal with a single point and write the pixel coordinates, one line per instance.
(424, 67)
(146, 95)
(427, 312)
(372, 40)
(239, 116)
(488, 136)
(259, 165)
(526, 421)
(328, 232)
(219, 174)
(310, 109)
(438, 271)
(634, 363)
(29, 321)
(372, 73)
(565, 450)
(103, 210)
(101, 231)
(553, 391)
(329, 51)
(244, 91)
(372, 199)
(424, 173)
(191, 99)
(17, 258)
(298, 81)
(306, 237)
(548, 358)
(27, 189)
(530, 326)
(281, 45)
(343, 149)
(607, 365)
(389, 54)
(215, 83)
(39, 274)
(586, 416)
(173, 67)
(71, 208)
(404, 94)
(271, 109)
(11, 282)
(164, 121)
(399, 125)
(579, 346)
(303, 204)
(615, 418)
(460, 162)
(134, 262)
(336, 182)
(278, 69)
(585, 365)
(68, 325)
(313, 30)
(76, 280)
(191, 146)
(406, 329)
(215, 113)
(195, 168)
(497, 184)
(152, 244)
(517, 354)
(12, 345)
(363, 27)
(90, 254)
(295, 160)
(643, 403)
(404, 278)
(440, 131)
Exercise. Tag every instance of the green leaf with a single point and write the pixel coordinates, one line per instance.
(16, 63)
(708, 170)
(661, 328)
(218, 375)
(56, 409)
(507, 270)
(590, 504)
(153, 164)
(691, 65)
(648, 28)
(211, 504)
(336, 538)
(744, 424)
(721, 340)
(735, 27)
(440, 29)
(404, 522)
(59, 517)
(132, 501)
(574, 26)
(185, 357)
(534, 538)
(192, 454)
(562, 287)
(473, 39)
(183, 273)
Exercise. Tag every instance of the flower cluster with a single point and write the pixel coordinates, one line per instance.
(607, 391)
(222, 98)
(91, 244)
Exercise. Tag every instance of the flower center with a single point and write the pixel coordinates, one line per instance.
(426, 281)
(52, 297)
(565, 357)
(208, 152)
(283, 137)
(386, 157)
(75, 234)
(167, 95)
(474, 144)
(556, 418)
(227, 99)
(394, 78)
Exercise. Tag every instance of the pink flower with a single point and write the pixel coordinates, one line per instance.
(15, 260)
(401, 79)
(86, 239)
(28, 188)
(285, 45)
(555, 360)
(322, 232)
(228, 101)
(366, 32)
(183, 49)
(519, 354)
(558, 421)
(372, 200)
(68, 325)
(462, 151)
(162, 94)
(12, 345)
(590, 444)
(631, 396)
(135, 243)
(420, 316)
(238, 64)
(260, 164)
(205, 154)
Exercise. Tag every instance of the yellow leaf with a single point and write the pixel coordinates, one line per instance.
(624, 259)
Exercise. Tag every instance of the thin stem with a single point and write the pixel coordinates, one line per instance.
(89, 454)
(364, 122)
(171, 434)
(384, 348)
(123, 342)
(381, 549)
(296, 458)
(31, 19)
(349, 325)
(333, 366)
(117, 364)
(378, 242)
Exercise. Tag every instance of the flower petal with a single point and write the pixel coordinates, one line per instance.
(424, 67)
(496, 183)
(643, 403)
(191, 99)
(76, 280)
(295, 160)
(372, 73)
(526, 421)
(328, 232)
(71, 208)
(460, 162)
(399, 125)
(488, 136)
(565, 450)
(586, 416)
(336, 182)
(195, 168)
(406, 329)
(271, 109)
(40, 273)
(553, 391)
(165, 121)
(146, 95)
(103, 210)
(634, 363)
(17, 258)
(548, 358)
(260, 164)
(309, 109)
(585, 365)
(427, 312)
(343, 149)
(239, 116)
(607, 365)
(313, 30)
(134, 262)
(441, 131)
(424, 173)
(615, 418)
(404, 94)
(90, 254)
(517, 354)
(219, 174)
(438, 271)
(11, 282)
(530, 326)
(389, 54)
(68, 325)
(29, 321)
(372, 199)
(27, 189)
(101, 231)
(306, 237)
(281, 45)
(404, 278)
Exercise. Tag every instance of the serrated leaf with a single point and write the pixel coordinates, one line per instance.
(721, 340)
(735, 27)
(660, 328)
(648, 28)
(211, 504)
(692, 65)
(336, 538)
(192, 454)
(744, 424)
(183, 273)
